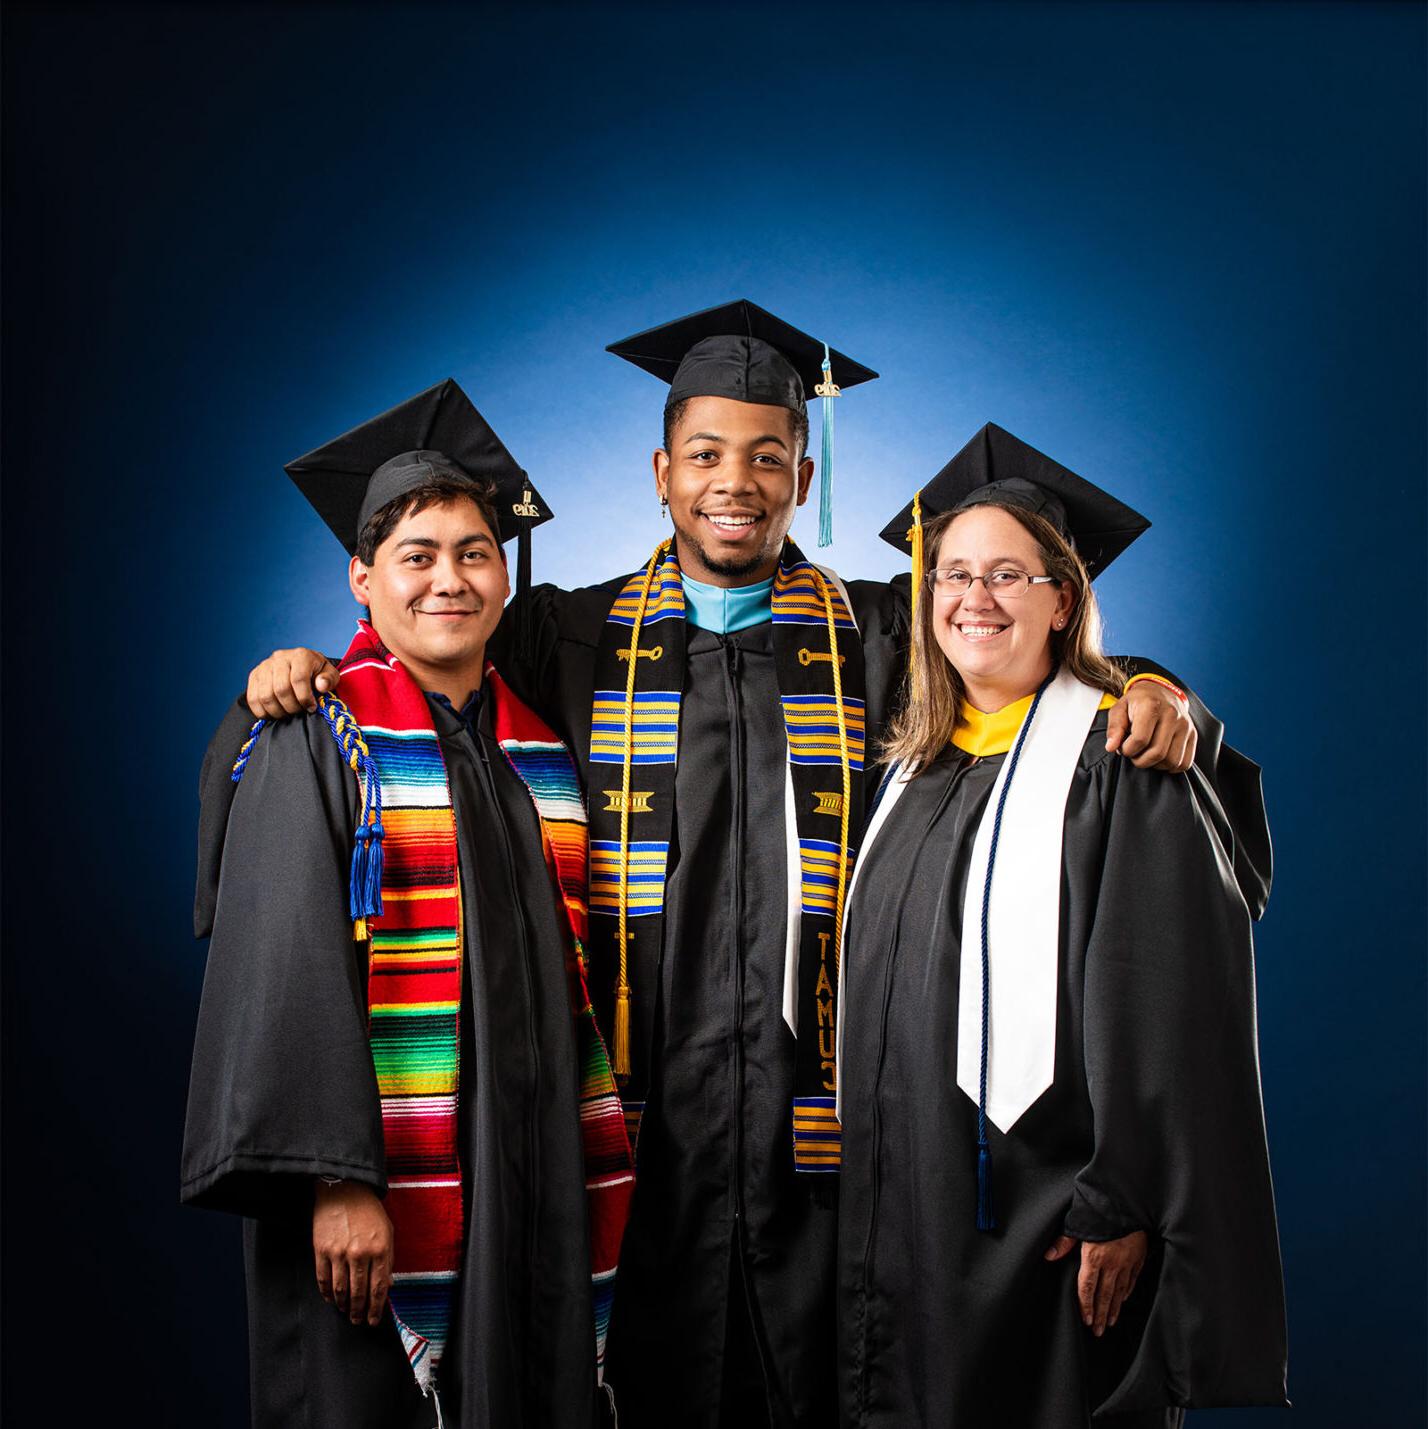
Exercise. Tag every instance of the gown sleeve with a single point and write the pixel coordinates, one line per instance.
(1235, 780)
(1172, 1068)
(215, 793)
(282, 1087)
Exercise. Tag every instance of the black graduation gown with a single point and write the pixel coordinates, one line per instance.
(724, 1303)
(283, 1090)
(1153, 1122)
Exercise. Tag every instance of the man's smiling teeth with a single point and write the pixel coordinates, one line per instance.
(731, 523)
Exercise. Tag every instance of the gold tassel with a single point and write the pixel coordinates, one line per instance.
(918, 576)
(622, 1031)
(622, 982)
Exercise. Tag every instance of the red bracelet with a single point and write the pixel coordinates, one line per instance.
(1160, 680)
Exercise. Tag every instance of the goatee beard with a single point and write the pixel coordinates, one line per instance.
(735, 566)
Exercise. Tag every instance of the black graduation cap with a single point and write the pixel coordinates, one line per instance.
(744, 352)
(436, 433)
(741, 351)
(995, 465)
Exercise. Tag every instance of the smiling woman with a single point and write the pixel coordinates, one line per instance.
(1067, 931)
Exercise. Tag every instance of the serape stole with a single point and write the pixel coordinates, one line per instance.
(406, 903)
(640, 671)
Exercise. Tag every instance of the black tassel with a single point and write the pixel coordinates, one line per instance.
(986, 1221)
(525, 625)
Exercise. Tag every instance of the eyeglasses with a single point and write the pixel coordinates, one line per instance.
(954, 581)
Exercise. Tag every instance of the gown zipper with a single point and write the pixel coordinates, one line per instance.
(732, 668)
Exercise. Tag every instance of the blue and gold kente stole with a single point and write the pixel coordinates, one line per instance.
(640, 671)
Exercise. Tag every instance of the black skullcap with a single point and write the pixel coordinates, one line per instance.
(437, 433)
(998, 467)
(738, 351)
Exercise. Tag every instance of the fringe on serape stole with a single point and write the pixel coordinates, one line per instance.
(634, 742)
(406, 903)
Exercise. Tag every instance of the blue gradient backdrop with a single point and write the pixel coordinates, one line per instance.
(1180, 248)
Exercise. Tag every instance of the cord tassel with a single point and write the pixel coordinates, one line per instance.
(622, 1032)
(986, 1221)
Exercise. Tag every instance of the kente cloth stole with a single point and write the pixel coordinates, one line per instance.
(639, 674)
(406, 902)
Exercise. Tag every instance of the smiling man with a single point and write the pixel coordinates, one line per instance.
(724, 701)
(397, 1077)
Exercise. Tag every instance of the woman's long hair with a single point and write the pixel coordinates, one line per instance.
(924, 726)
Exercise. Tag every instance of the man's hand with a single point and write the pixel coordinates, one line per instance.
(289, 682)
(1109, 1271)
(352, 1246)
(1148, 725)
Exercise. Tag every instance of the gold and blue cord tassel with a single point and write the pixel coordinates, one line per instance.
(365, 882)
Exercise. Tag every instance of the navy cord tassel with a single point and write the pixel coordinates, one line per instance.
(986, 1221)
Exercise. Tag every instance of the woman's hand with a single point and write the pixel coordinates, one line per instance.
(352, 1246)
(1109, 1271)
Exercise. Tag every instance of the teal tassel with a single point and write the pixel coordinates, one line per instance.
(986, 1221)
(825, 481)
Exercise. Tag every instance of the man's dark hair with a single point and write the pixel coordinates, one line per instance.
(439, 491)
(674, 414)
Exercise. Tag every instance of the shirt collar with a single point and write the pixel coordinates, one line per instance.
(468, 714)
(725, 609)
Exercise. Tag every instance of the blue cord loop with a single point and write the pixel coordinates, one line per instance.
(249, 745)
(986, 1220)
(365, 888)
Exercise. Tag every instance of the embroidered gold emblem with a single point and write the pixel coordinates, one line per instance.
(639, 801)
(807, 657)
(829, 804)
(653, 653)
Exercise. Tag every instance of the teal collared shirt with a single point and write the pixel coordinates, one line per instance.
(725, 609)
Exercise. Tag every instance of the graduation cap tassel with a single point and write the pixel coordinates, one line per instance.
(525, 625)
(918, 573)
(827, 390)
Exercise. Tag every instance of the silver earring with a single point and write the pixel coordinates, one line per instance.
(663, 508)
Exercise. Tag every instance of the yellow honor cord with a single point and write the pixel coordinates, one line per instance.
(833, 654)
(918, 575)
(622, 981)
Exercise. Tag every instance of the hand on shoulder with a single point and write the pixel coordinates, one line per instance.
(288, 682)
(1151, 726)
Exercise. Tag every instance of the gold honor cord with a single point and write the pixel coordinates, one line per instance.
(836, 662)
(622, 981)
(917, 579)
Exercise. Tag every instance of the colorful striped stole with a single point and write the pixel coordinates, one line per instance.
(634, 740)
(406, 902)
